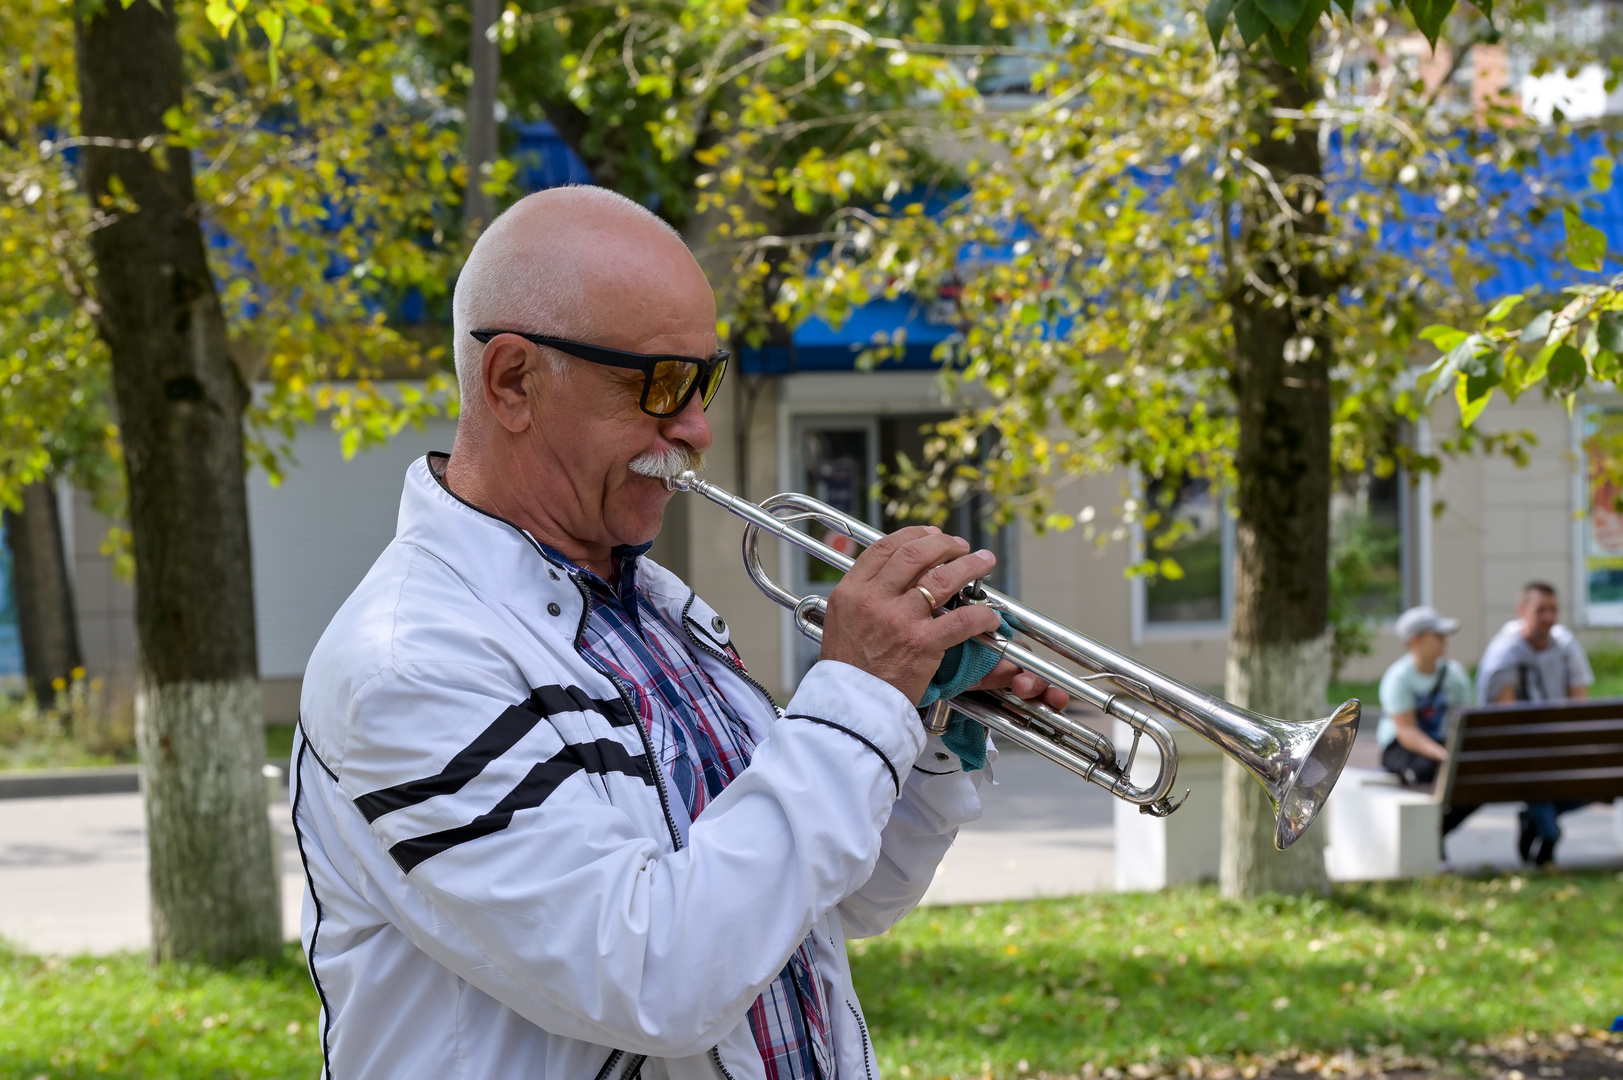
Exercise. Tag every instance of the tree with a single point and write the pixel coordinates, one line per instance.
(180, 404)
(243, 206)
(1169, 260)
(46, 622)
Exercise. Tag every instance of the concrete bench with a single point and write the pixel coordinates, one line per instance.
(1376, 829)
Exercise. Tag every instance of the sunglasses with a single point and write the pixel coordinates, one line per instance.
(668, 382)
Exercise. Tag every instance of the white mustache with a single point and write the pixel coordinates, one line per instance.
(667, 464)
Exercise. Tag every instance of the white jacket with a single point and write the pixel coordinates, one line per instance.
(494, 884)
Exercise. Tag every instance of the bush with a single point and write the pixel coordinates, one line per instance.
(83, 728)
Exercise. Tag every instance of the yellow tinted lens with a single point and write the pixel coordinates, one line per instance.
(715, 382)
(670, 384)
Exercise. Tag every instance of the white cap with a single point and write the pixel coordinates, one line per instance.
(1423, 620)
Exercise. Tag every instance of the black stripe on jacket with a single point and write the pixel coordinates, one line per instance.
(502, 735)
(602, 757)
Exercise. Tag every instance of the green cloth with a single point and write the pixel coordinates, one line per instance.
(963, 666)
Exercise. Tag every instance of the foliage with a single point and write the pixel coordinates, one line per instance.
(116, 1016)
(1606, 659)
(84, 728)
(1077, 985)
(1084, 218)
(327, 196)
(1080, 985)
(55, 411)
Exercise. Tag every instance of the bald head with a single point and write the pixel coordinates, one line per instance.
(562, 262)
(555, 444)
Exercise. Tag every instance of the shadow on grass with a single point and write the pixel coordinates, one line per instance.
(1117, 979)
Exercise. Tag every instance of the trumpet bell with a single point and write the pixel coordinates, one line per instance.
(1301, 795)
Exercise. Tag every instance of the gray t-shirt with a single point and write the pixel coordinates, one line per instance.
(1404, 684)
(1548, 674)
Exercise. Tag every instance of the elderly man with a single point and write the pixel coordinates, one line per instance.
(550, 826)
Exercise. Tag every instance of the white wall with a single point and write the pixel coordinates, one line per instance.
(316, 535)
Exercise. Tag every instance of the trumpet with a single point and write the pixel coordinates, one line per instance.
(1296, 762)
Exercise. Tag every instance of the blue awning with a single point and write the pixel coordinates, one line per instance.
(817, 346)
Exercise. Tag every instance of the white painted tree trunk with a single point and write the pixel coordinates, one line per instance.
(209, 835)
(1290, 682)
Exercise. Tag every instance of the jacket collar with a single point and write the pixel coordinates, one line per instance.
(508, 566)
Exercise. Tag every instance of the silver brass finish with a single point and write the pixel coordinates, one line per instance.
(1296, 762)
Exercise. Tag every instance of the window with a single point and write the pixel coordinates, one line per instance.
(1194, 530)
(1366, 542)
(1370, 556)
(837, 460)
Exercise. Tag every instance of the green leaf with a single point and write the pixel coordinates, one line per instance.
(1284, 14)
(1429, 17)
(1600, 173)
(1292, 51)
(1444, 337)
(1586, 245)
(1253, 24)
(1609, 331)
(1567, 369)
(1471, 407)
(1217, 17)
(270, 22)
(1503, 308)
(1539, 327)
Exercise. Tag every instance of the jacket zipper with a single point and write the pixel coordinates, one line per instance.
(608, 1066)
(631, 710)
(866, 1061)
(715, 1055)
(735, 668)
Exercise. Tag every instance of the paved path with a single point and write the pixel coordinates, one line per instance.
(73, 870)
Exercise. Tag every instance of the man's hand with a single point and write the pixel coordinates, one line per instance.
(1024, 685)
(879, 620)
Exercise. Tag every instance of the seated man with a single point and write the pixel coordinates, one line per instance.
(1419, 694)
(550, 826)
(1534, 658)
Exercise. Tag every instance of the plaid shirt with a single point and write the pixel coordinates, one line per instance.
(701, 745)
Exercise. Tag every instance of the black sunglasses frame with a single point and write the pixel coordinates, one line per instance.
(706, 383)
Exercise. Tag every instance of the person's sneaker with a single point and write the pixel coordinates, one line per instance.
(1524, 839)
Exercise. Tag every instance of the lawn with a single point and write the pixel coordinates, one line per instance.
(1078, 986)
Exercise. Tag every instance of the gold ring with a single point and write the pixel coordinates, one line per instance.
(928, 598)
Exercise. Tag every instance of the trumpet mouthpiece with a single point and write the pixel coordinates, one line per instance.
(682, 481)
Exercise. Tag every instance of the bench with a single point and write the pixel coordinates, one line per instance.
(1534, 752)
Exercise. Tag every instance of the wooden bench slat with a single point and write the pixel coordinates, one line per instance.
(1479, 762)
(1566, 789)
(1555, 733)
(1569, 751)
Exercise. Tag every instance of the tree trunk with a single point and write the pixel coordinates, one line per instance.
(45, 618)
(215, 893)
(1278, 639)
(484, 58)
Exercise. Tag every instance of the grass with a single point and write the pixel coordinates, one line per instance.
(1607, 659)
(1366, 692)
(279, 743)
(115, 1016)
(1077, 986)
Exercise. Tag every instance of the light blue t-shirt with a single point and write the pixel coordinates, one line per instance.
(1404, 684)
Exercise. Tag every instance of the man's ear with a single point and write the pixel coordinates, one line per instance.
(512, 367)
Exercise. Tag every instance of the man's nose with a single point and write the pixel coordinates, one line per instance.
(690, 426)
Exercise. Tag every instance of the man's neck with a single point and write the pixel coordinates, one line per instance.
(503, 500)
(1426, 666)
